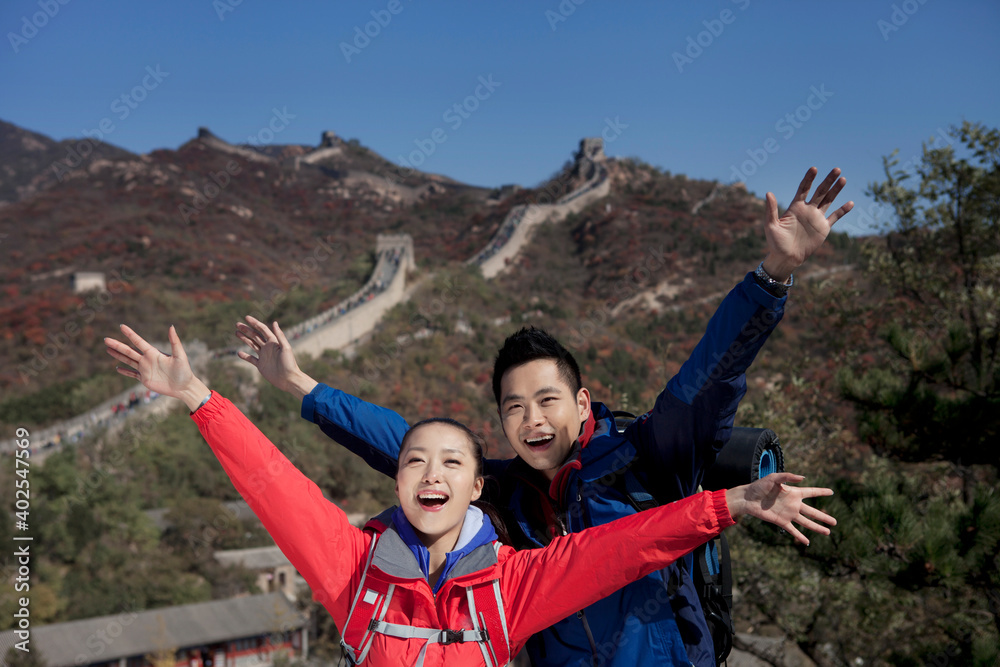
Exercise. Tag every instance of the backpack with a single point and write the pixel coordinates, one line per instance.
(751, 453)
(371, 602)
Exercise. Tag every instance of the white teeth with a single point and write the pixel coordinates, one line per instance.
(433, 496)
(532, 441)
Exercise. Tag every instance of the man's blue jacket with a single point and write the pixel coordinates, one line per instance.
(669, 448)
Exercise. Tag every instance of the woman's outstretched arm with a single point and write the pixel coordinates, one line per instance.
(313, 532)
(542, 586)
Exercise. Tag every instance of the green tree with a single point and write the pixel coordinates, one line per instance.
(925, 515)
(939, 397)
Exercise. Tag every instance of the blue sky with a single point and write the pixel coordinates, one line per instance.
(718, 90)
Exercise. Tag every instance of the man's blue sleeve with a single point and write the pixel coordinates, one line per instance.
(693, 416)
(372, 432)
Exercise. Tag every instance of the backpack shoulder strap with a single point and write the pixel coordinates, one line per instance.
(713, 575)
(487, 612)
(371, 601)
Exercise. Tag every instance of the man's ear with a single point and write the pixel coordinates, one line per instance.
(477, 488)
(583, 403)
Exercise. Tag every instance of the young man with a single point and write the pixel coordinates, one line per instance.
(569, 448)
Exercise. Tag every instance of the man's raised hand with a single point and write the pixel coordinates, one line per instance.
(793, 237)
(274, 357)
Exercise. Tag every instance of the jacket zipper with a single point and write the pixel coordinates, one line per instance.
(590, 637)
(563, 524)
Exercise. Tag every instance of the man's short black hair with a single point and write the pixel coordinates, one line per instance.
(530, 344)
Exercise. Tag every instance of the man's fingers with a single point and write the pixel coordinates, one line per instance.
(252, 344)
(806, 184)
(281, 335)
(249, 358)
(262, 329)
(832, 194)
(771, 206)
(841, 212)
(823, 188)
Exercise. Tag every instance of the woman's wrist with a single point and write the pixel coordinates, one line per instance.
(736, 501)
(194, 394)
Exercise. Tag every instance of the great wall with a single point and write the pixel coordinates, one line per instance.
(358, 315)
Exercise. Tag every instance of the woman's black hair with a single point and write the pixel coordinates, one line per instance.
(478, 444)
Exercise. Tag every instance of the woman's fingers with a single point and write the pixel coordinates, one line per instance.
(128, 372)
(818, 515)
(176, 347)
(137, 341)
(119, 356)
(799, 537)
(812, 525)
(121, 351)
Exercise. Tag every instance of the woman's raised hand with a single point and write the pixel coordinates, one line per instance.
(772, 499)
(167, 374)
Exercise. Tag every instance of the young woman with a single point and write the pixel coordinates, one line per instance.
(428, 583)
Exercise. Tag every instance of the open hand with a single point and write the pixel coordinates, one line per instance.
(772, 499)
(275, 359)
(167, 374)
(796, 235)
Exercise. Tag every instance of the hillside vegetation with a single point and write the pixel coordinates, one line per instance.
(855, 379)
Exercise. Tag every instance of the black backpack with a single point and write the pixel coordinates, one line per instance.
(751, 453)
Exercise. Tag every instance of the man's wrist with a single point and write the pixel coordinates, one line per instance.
(301, 385)
(779, 269)
(770, 284)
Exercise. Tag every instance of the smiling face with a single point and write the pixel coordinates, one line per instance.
(436, 481)
(541, 415)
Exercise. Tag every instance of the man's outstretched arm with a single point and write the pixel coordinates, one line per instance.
(693, 417)
(372, 432)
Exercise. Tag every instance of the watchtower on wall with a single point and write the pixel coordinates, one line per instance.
(591, 152)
